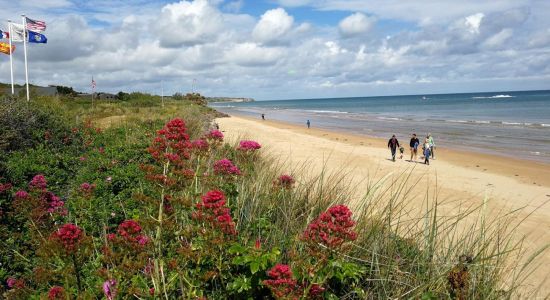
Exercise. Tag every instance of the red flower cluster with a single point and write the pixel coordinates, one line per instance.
(249, 145)
(87, 189)
(68, 235)
(212, 209)
(281, 283)
(21, 195)
(130, 231)
(38, 182)
(226, 167)
(56, 292)
(4, 187)
(173, 136)
(199, 145)
(215, 135)
(332, 228)
(54, 203)
(15, 283)
(285, 181)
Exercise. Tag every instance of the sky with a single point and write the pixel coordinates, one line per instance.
(286, 49)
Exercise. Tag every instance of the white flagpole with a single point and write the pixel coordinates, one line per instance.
(11, 58)
(25, 50)
(162, 92)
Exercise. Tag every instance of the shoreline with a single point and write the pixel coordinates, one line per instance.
(524, 170)
(456, 179)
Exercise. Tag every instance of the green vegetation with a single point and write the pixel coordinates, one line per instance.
(142, 200)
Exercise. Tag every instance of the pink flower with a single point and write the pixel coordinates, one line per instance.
(111, 236)
(69, 236)
(249, 145)
(56, 292)
(281, 283)
(212, 209)
(142, 240)
(285, 181)
(21, 195)
(332, 228)
(199, 145)
(109, 289)
(5, 187)
(54, 203)
(226, 167)
(215, 135)
(82, 158)
(38, 182)
(11, 282)
(87, 189)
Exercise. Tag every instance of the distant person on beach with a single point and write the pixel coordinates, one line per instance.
(263, 117)
(393, 143)
(432, 144)
(401, 151)
(308, 124)
(426, 149)
(414, 143)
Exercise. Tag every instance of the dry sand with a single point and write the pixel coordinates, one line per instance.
(463, 178)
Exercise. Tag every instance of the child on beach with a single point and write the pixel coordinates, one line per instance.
(401, 151)
(432, 145)
(426, 152)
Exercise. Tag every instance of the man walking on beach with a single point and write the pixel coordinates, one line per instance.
(414, 146)
(308, 124)
(263, 117)
(393, 143)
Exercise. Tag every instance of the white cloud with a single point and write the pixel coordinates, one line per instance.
(273, 25)
(189, 23)
(133, 44)
(356, 24)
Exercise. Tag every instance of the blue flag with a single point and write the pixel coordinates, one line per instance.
(35, 37)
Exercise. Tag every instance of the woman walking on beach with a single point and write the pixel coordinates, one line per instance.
(426, 151)
(414, 143)
(432, 145)
(393, 144)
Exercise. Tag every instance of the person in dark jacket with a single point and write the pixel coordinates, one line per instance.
(393, 143)
(415, 142)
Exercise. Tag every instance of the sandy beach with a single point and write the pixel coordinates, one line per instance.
(459, 178)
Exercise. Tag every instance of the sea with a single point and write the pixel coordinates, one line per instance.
(513, 124)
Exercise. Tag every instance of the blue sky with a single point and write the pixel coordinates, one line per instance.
(284, 49)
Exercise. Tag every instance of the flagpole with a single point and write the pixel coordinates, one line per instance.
(162, 92)
(25, 50)
(11, 58)
(93, 90)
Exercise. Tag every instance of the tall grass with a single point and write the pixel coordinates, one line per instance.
(407, 252)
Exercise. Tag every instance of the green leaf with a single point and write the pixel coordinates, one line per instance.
(254, 267)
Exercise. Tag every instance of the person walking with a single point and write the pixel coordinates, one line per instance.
(308, 124)
(414, 143)
(393, 143)
(426, 151)
(432, 145)
(263, 117)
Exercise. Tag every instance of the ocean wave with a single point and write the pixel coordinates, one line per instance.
(390, 118)
(493, 97)
(545, 125)
(328, 111)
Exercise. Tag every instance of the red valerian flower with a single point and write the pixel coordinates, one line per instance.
(129, 230)
(69, 236)
(212, 209)
(316, 290)
(281, 283)
(38, 182)
(249, 145)
(56, 292)
(332, 228)
(21, 195)
(258, 244)
(226, 167)
(199, 145)
(215, 135)
(54, 203)
(109, 289)
(5, 187)
(87, 189)
(285, 181)
(173, 135)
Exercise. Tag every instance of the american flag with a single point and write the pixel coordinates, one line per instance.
(93, 83)
(34, 25)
